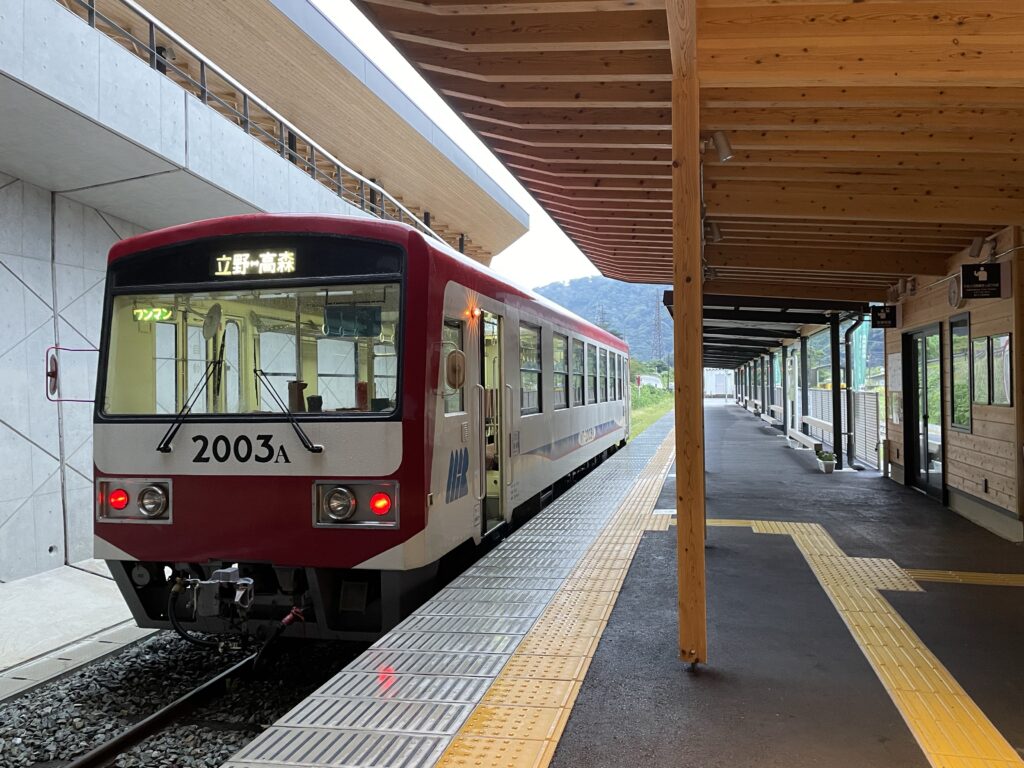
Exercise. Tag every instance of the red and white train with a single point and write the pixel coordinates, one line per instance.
(298, 418)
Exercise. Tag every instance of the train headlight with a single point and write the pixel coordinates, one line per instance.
(145, 500)
(152, 501)
(344, 504)
(339, 504)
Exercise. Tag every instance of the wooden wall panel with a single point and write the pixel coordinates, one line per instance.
(989, 451)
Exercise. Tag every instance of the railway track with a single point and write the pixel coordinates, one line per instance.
(106, 753)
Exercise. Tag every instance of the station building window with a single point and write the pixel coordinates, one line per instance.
(560, 366)
(960, 367)
(451, 338)
(1002, 369)
(591, 373)
(577, 372)
(980, 367)
(529, 369)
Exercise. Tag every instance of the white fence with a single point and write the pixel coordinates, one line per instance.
(866, 423)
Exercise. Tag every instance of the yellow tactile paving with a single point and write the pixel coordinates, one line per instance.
(475, 752)
(512, 722)
(967, 577)
(545, 667)
(530, 692)
(524, 712)
(949, 727)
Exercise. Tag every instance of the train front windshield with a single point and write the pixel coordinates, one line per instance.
(319, 350)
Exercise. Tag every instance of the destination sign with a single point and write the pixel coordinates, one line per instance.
(152, 314)
(254, 264)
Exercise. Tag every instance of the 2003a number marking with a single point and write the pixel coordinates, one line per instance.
(222, 449)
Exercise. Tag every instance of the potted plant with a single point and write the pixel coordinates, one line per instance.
(826, 462)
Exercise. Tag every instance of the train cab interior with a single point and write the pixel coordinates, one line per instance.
(255, 351)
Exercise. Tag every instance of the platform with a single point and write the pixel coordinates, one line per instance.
(852, 623)
(55, 621)
(486, 671)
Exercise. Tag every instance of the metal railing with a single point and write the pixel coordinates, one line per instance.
(865, 416)
(170, 55)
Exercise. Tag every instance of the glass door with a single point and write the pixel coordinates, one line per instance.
(924, 427)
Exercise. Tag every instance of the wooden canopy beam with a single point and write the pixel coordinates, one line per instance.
(789, 290)
(782, 257)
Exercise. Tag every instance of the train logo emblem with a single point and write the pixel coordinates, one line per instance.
(458, 475)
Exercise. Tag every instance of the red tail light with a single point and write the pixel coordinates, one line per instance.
(118, 498)
(380, 503)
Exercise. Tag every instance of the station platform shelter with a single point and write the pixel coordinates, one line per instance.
(770, 154)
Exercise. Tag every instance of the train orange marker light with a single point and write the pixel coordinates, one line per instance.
(118, 498)
(380, 503)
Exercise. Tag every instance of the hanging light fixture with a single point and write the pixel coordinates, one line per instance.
(722, 146)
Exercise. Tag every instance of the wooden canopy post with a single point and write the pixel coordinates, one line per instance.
(688, 287)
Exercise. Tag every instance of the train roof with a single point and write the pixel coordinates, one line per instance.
(366, 227)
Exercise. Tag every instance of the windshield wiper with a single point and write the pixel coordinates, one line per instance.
(308, 444)
(164, 446)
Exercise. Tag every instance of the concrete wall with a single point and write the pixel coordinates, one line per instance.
(52, 257)
(84, 149)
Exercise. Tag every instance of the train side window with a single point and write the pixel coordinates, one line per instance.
(385, 373)
(603, 376)
(591, 373)
(195, 365)
(613, 376)
(335, 372)
(529, 369)
(560, 366)
(165, 360)
(232, 366)
(618, 377)
(577, 372)
(451, 338)
(277, 361)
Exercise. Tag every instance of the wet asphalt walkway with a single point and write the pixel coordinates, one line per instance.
(786, 684)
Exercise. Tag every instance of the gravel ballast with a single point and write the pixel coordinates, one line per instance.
(65, 718)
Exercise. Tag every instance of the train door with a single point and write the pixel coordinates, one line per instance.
(494, 427)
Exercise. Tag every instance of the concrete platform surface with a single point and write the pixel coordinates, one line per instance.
(838, 634)
(44, 612)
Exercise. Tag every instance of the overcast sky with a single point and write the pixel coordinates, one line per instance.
(544, 254)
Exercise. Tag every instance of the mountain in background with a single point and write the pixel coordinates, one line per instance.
(634, 312)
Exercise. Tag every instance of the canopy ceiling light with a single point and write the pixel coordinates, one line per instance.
(722, 146)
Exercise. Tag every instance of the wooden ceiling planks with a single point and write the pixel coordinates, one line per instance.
(870, 140)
